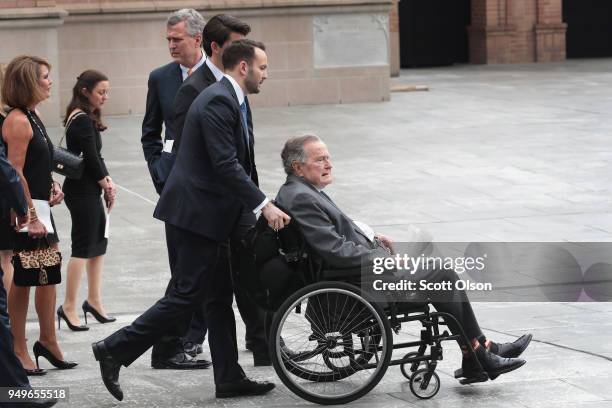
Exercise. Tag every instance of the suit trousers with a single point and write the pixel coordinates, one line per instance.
(201, 274)
(454, 302)
(171, 343)
(252, 315)
(12, 373)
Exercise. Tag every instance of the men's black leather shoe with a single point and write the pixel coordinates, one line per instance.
(39, 403)
(109, 369)
(492, 364)
(261, 360)
(514, 349)
(243, 387)
(180, 361)
(193, 349)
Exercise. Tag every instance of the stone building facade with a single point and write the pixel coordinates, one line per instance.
(320, 51)
(510, 31)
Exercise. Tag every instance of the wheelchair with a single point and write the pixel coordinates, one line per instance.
(330, 343)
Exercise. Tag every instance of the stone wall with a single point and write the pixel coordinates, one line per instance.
(322, 51)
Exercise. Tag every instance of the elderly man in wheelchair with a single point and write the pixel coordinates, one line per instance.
(331, 343)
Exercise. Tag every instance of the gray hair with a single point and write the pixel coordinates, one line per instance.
(293, 151)
(194, 22)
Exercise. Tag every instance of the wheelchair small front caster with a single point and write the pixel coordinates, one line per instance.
(413, 366)
(424, 383)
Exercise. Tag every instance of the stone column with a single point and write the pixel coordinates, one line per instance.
(550, 31)
(394, 39)
(511, 31)
(491, 32)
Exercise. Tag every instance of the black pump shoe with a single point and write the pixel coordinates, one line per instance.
(101, 319)
(61, 315)
(40, 350)
(35, 372)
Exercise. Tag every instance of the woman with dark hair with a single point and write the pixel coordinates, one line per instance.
(83, 197)
(27, 83)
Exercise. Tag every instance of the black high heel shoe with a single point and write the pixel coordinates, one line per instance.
(101, 319)
(62, 315)
(40, 350)
(35, 372)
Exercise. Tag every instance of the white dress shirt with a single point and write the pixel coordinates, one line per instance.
(214, 69)
(185, 70)
(240, 95)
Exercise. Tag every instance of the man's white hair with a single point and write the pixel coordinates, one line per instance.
(194, 22)
(293, 151)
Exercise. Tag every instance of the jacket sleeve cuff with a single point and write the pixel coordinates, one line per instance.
(262, 205)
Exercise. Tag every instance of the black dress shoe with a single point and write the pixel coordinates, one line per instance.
(180, 361)
(109, 369)
(261, 360)
(39, 403)
(512, 350)
(243, 387)
(42, 351)
(492, 364)
(193, 349)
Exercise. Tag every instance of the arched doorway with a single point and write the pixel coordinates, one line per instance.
(433, 32)
(589, 28)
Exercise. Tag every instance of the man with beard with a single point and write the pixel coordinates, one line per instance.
(210, 189)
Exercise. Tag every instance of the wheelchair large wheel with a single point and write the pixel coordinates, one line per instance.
(331, 344)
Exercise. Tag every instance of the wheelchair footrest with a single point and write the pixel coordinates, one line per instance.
(474, 377)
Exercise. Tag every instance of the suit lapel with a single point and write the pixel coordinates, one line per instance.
(176, 76)
(247, 150)
(206, 74)
(327, 199)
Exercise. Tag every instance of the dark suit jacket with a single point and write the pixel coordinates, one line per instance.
(326, 229)
(213, 178)
(11, 191)
(164, 83)
(191, 88)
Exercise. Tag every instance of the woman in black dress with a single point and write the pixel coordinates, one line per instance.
(83, 197)
(27, 83)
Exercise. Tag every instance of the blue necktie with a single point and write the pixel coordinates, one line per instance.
(243, 110)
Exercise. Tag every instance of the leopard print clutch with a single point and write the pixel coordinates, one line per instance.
(39, 267)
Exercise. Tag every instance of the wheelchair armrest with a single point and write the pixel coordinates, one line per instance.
(341, 274)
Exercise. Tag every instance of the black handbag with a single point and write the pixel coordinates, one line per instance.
(38, 267)
(65, 162)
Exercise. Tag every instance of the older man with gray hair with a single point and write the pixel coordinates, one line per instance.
(339, 242)
(184, 35)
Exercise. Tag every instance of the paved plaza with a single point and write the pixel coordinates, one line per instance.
(489, 153)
